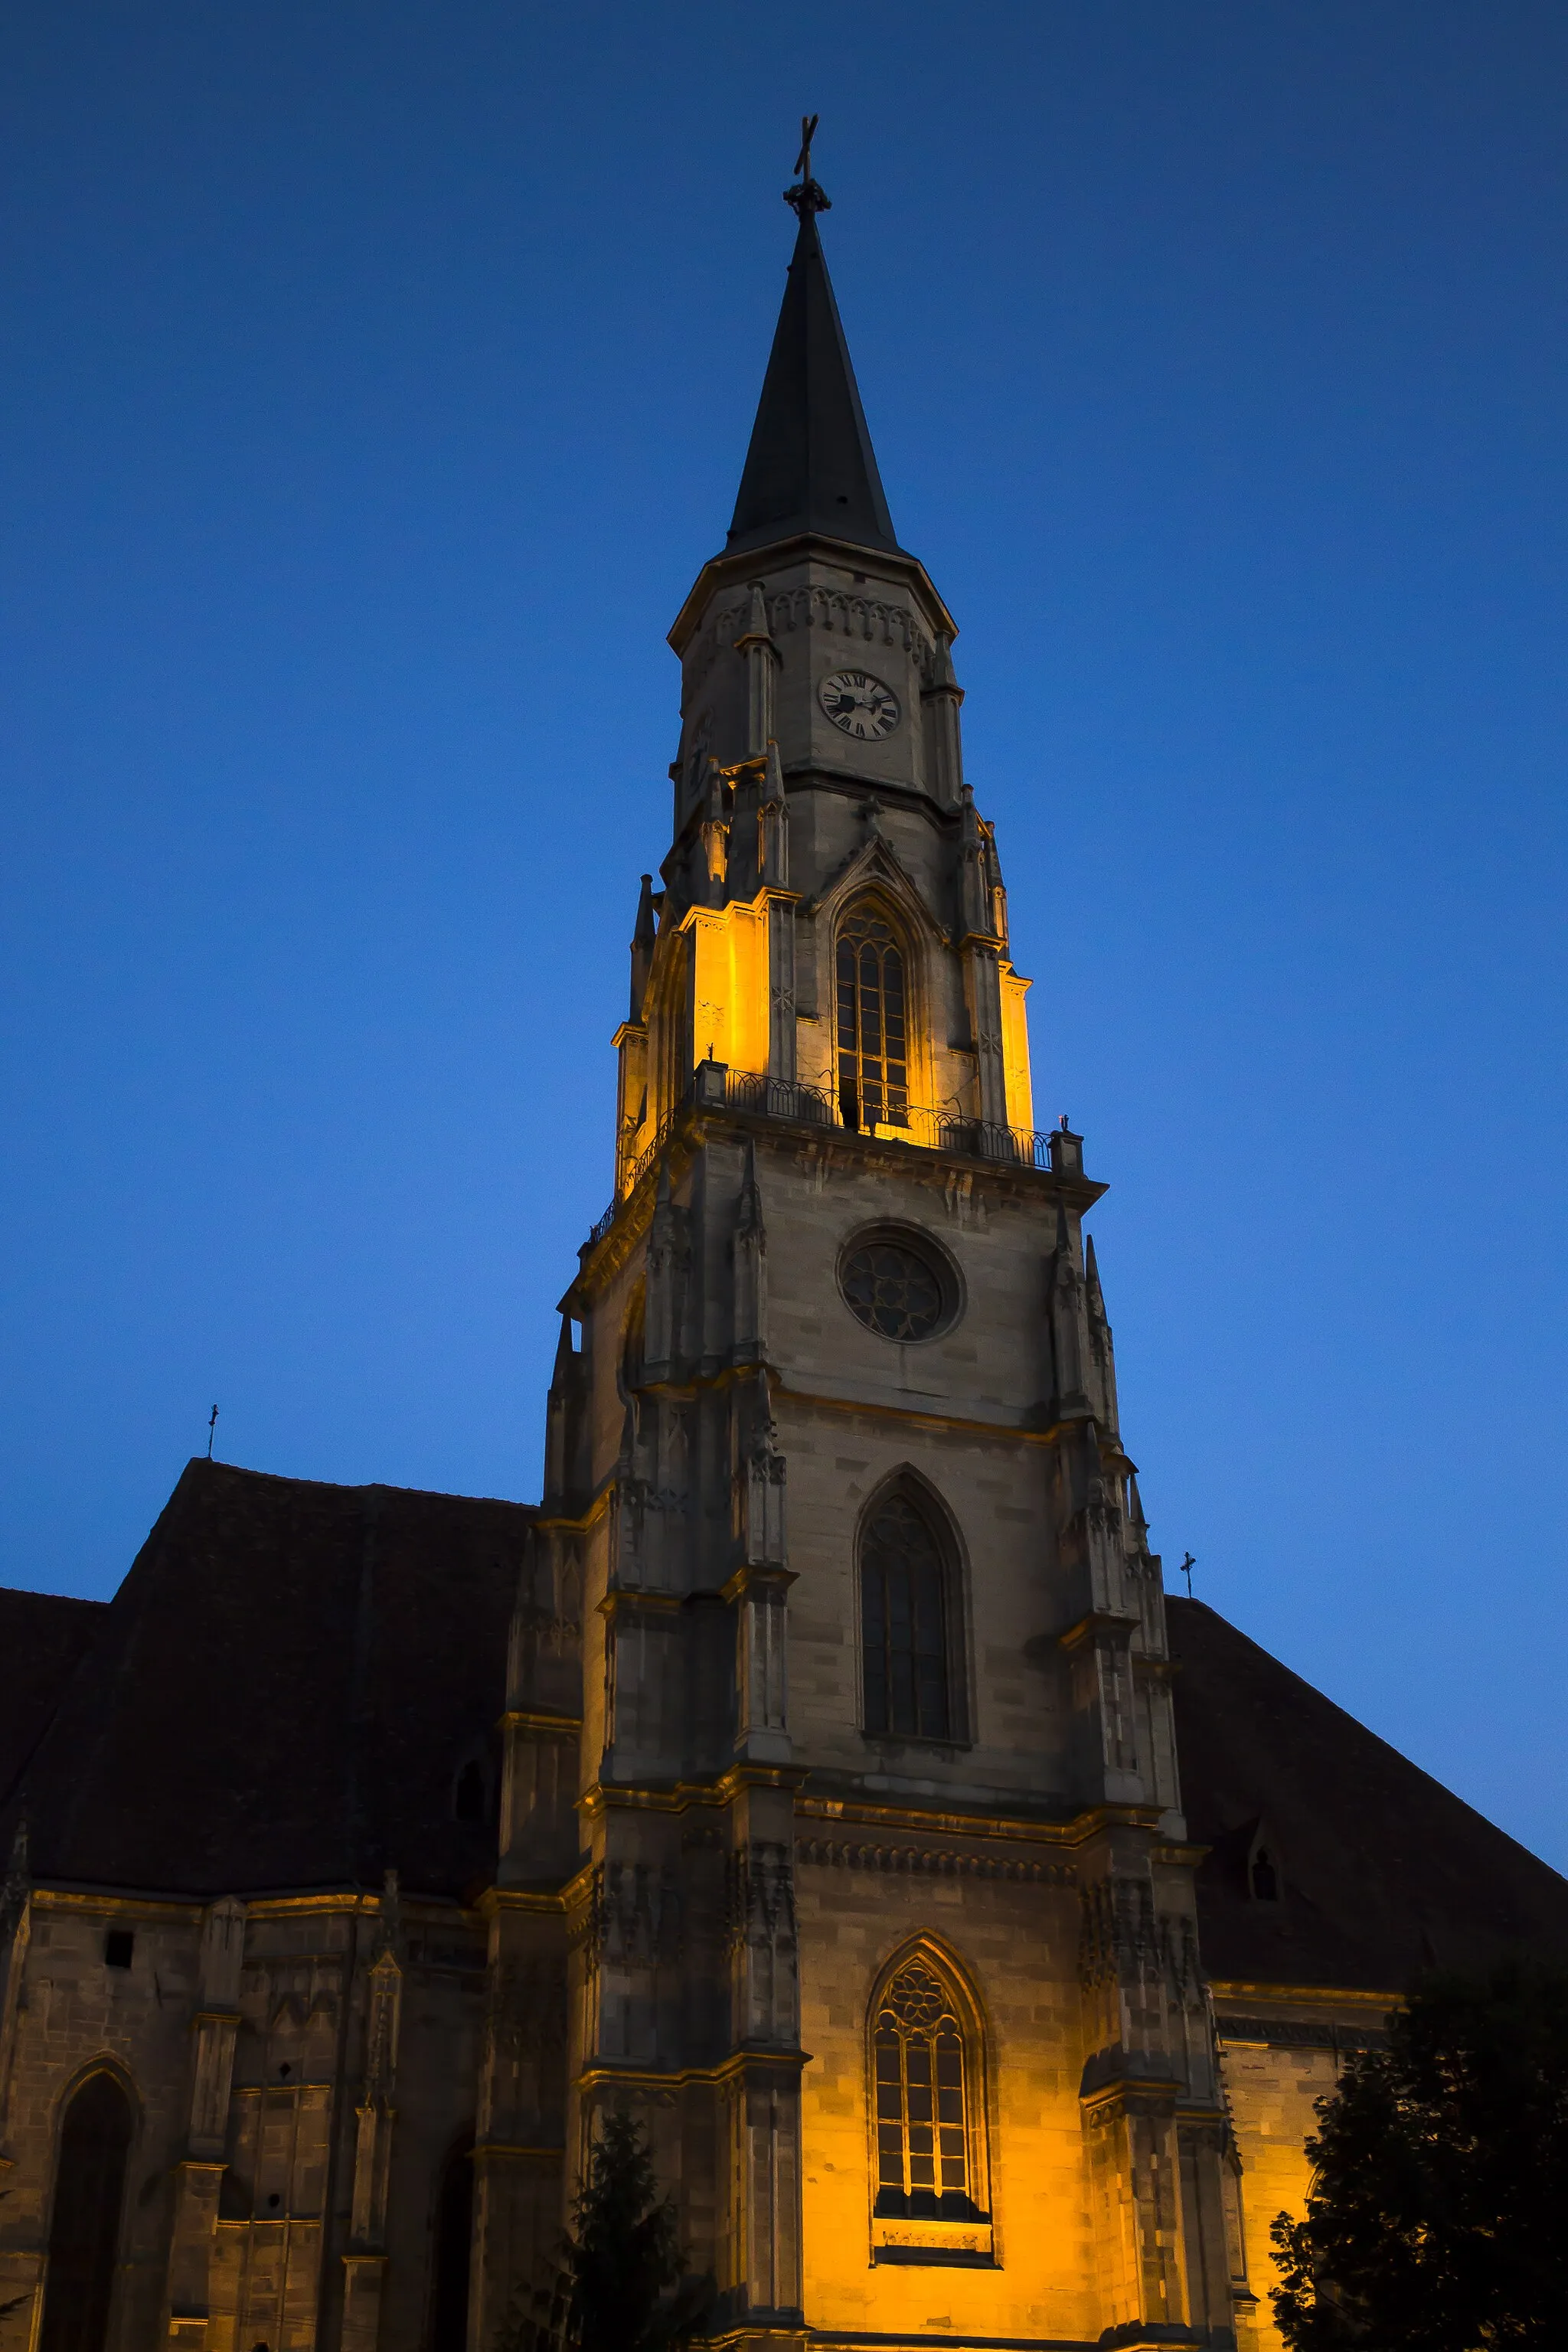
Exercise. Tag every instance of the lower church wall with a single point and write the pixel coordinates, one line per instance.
(1015, 1946)
(280, 2216)
(1279, 2058)
(72, 2014)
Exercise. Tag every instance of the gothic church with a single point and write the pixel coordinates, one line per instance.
(819, 1769)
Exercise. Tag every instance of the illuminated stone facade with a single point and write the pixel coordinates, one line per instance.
(971, 1928)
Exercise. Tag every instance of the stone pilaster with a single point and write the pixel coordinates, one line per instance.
(757, 650)
(375, 2117)
(16, 1932)
(761, 2258)
(941, 702)
(783, 997)
(199, 2175)
(520, 2148)
(1153, 2118)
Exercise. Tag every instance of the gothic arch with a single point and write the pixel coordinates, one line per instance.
(96, 2125)
(874, 868)
(874, 1025)
(874, 882)
(929, 2084)
(911, 1594)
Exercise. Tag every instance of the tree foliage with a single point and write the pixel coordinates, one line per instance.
(1437, 2217)
(618, 2283)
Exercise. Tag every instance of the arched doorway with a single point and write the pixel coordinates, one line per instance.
(84, 2231)
(454, 2243)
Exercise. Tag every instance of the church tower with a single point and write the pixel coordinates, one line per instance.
(841, 1836)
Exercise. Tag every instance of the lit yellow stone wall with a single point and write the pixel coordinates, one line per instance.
(730, 984)
(1016, 1945)
(1273, 2086)
(1016, 1049)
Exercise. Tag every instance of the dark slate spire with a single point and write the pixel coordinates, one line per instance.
(810, 466)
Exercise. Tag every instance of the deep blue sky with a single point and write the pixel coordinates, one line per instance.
(377, 377)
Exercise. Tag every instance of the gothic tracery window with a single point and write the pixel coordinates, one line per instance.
(873, 1049)
(926, 2084)
(84, 2228)
(904, 1623)
(893, 1290)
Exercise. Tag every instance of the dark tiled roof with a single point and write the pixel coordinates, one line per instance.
(281, 1693)
(42, 1636)
(1384, 1871)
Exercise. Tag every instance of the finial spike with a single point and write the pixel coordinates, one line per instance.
(644, 940)
(805, 197)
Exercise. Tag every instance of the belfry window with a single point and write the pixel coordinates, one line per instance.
(84, 2229)
(873, 1050)
(904, 1623)
(926, 2101)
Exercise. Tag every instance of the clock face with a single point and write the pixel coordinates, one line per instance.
(860, 704)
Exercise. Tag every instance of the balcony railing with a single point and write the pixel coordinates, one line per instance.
(713, 1087)
(928, 1130)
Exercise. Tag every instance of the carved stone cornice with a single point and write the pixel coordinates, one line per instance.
(931, 1862)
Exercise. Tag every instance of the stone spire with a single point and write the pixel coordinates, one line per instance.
(810, 466)
(645, 937)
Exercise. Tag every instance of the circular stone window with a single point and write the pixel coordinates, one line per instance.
(898, 1286)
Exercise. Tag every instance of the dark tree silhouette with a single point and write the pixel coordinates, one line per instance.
(1435, 2218)
(619, 2282)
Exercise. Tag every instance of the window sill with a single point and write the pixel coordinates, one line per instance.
(890, 1744)
(934, 2258)
(961, 2245)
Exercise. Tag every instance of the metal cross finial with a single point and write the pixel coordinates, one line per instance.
(805, 196)
(1188, 1567)
(211, 1426)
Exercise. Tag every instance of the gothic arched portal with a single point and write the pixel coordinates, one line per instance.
(873, 1020)
(84, 2229)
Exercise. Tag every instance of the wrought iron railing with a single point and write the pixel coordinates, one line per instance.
(929, 1131)
(803, 1106)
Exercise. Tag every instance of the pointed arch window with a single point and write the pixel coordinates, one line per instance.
(873, 1041)
(84, 2229)
(905, 1619)
(930, 2154)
